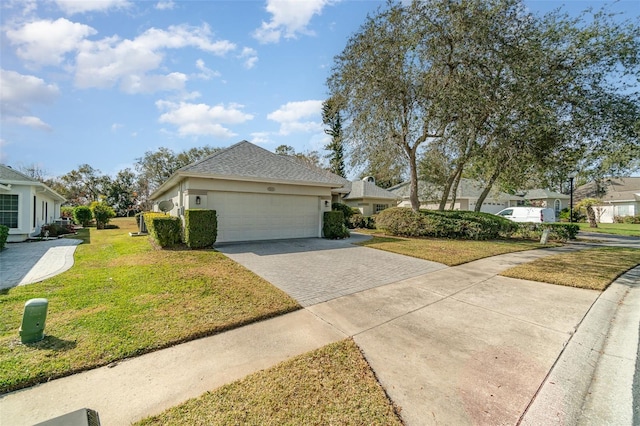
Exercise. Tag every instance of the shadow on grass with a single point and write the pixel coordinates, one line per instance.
(83, 234)
(53, 343)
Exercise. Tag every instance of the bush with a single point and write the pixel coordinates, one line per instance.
(346, 211)
(82, 215)
(559, 231)
(102, 213)
(626, 219)
(444, 224)
(53, 230)
(200, 228)
(333, 226)
(4, 234)
(165, 230)
(357, 220)
(66, 212)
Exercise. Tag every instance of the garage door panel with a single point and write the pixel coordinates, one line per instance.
(246, 217)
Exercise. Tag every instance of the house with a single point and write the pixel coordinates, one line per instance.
(369, 198)
(546, 198)
(26, 204)
(619, 196)
(258, 195)
(467, 195)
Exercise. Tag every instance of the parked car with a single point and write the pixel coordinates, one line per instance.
(528, 214)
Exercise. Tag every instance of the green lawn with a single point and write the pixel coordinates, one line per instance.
(122, 298)
(329, 386)
(593, 268)
(450, 252)
(630, 229)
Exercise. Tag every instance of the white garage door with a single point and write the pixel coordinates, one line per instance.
(250, 217)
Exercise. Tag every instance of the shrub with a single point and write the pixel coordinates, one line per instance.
(346, 211)
(102, 213)
(200, 228)
(333, 226)
(53, 230)
(4, 234)
(559, 231)
(66, 212)
(82, 215)
(165, 230)
(401, 221)
(626, 219)
(357, 220)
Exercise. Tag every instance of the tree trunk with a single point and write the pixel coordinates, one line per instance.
(454, 189)
(591, 215)
(413, 173)
(486, 190)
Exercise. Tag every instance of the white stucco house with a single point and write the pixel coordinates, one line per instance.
(369, 198)
(546, 198)
(26, 204)
(467, 195)
(619, 197)
(258, 195)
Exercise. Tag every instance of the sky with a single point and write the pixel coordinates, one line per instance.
(102, 82)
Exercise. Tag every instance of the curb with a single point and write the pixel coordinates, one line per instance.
(591, 381)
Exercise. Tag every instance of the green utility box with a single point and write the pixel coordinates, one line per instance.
(33, 319)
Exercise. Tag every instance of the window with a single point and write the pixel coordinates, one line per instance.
(9, 210)
(556, 207)
(377, 208)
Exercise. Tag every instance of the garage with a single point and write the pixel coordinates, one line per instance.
(252, 217)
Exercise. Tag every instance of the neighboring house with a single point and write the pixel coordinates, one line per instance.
(26, 204)
(258, 195)
(369, 198)
(546, 198)
(466, 198)
(619, 196)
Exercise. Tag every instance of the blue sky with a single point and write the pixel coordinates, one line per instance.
(102, 82)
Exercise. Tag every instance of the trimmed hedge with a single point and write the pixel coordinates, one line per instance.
(165, 230)
(333, 226)
(559, 231)
(357, 220)
(200, 228)
(82, 215)
(4, 234)
(444, 224)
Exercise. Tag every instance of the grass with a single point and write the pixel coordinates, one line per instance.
(450, 252)
(629, 229)
(122, 298)
(331, 385)
(592, 269)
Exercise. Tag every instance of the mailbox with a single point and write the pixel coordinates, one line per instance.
(33, 319)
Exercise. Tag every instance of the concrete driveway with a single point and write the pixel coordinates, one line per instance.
(315, 270)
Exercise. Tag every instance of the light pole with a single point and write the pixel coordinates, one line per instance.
(571, 177)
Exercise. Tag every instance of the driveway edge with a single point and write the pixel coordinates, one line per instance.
(589, 378)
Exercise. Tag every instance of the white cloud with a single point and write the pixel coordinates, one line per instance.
(165, 5)
(288, 19)
(260, 138)
(250, 56)
(71, 7)
(46, 42)
(205, 73)
(103, 63)
(116, 126)
(296, 117)
(19, 93)
(202, 119)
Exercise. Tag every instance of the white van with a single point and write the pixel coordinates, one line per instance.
(528, 214)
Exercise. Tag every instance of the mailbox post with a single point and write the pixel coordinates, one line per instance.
(33, 319)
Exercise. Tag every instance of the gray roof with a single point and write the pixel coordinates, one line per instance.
(541, 194)
(612, 189)
(248, 162)
(7, 174)
(361, 189)
(467, 189)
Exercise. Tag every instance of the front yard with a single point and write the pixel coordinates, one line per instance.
(122, 298)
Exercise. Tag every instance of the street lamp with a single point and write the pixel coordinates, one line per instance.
(571, 177)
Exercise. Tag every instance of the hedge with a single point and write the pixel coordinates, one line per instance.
(4, 234)
(165, 230)
(200, 228)
(333, 226)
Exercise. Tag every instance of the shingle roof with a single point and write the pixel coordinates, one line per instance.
(466, 189)
(614, 189)
(246, 160)
(538, 194)
(362, 189)
(9, 174)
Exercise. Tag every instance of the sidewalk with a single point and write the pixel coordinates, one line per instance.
(455, 346)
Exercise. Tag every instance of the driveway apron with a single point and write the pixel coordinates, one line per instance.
(316, 270)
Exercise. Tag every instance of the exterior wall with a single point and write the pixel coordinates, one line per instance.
(464, 204)
(367, 206)
(47, 209)
(606, 213)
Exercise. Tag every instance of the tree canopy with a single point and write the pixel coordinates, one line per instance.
(486, 89)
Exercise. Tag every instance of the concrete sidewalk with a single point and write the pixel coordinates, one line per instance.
(31, 262)
(453, 346)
